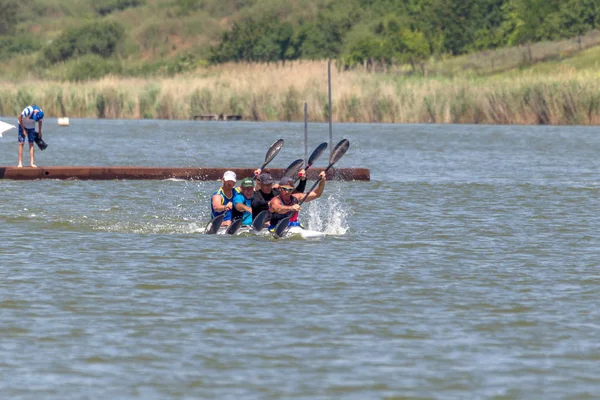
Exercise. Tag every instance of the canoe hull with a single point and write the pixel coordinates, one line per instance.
(292, 232)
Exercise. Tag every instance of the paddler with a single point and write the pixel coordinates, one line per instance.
(287, 201)
(242, 202)
(266, 189)
(222, 199)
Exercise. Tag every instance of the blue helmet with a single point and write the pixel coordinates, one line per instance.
(39, 115)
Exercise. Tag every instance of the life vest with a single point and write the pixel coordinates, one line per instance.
(245, 215)
(275, 218)
(224, 200)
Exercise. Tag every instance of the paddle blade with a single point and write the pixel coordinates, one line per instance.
(316, 154)
(214, 225)
(234, 227)
(272, 152)
(259, 222)
(338, 151)
(294, 168)
(281, 227)
(41, 144)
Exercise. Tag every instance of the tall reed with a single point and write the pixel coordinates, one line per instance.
(276, 92)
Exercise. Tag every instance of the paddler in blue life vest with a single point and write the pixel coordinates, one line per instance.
(222, 199)
(242, 202)
(286, 201)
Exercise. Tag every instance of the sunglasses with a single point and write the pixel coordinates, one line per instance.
(286, 189)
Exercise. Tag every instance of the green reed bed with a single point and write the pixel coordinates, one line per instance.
(279, 94)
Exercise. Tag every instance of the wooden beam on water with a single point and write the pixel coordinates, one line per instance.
(132, 172)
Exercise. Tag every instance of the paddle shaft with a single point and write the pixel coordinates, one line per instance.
(271, 153)
(314, 156)
(305, 169)
(293, 168)
(314, 186)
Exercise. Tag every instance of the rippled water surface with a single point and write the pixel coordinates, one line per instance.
(466, 268)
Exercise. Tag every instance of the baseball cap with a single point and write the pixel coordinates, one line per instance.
(286, 181)
(247, 182)
(266, 178)
(39, 115)
(229, 176)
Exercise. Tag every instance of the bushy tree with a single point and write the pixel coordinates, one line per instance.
(365, 48)
(11, 45)
(405, 31)
(100, 38)
(391, 41)
(8, 16)
(579, 16)
(255, 40)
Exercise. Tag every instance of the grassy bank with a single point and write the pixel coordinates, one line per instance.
(278, 93)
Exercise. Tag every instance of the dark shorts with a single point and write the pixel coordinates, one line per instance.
(31, 135)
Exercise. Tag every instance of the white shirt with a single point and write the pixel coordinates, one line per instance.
(27, 115)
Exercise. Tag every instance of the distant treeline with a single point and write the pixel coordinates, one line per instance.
(379, 33)
(140, 37)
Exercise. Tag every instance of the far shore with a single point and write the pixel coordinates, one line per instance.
(278, 92)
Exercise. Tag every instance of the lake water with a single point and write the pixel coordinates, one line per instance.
(466, 268)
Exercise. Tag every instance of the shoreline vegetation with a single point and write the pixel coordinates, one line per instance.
(277, 92)
(481, 62)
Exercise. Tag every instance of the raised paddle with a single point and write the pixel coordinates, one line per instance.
(313, 157)
(294, 168)
(213, 226)
(272, 152)
(337, 153)
(234, 227)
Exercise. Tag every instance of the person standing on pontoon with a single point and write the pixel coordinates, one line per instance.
(27, 120)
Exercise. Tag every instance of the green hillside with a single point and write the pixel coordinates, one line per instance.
(86, 39)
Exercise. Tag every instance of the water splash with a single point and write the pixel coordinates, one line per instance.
(326, 214)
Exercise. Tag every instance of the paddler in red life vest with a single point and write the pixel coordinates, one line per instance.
(287, 201)
(222, 199)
